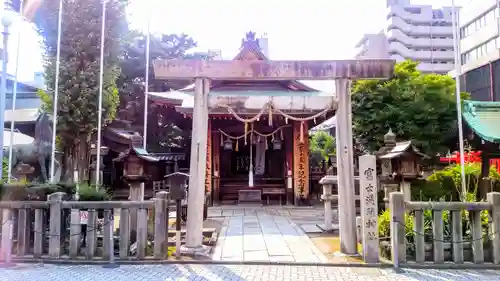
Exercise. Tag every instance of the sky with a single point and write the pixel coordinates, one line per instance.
(301, 30)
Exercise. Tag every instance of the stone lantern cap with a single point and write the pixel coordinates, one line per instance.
(390, 137)
(332, 179)
(136, 151)
(403, 148)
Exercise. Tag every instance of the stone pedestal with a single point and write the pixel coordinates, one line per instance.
(136, 193)
(406, 189)
(327, 199)
(23, 171)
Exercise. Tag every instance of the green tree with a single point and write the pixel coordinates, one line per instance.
(418, 107)
(163, 133)
(321, 147)
(79, 70)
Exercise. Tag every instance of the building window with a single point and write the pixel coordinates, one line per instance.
(480, 51)
(413, 10)
(485, 19)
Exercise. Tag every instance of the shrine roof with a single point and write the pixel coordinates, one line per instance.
(483, 118)
(250, 101)
(137, 151)
(251, 51)
(403, 147)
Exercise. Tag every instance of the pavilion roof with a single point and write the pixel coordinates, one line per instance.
(483, 118)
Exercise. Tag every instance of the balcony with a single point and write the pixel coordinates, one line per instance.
(398, 36)
(398, 23)
(398, 48)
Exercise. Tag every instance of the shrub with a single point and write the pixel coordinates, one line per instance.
(32, 191)
(384, 225)
(447, 183)
(91, 192)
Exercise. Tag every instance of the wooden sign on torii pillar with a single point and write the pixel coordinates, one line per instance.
(342, 71)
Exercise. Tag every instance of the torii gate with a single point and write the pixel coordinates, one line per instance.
(342, 71)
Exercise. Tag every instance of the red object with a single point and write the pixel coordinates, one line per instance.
(470, 157)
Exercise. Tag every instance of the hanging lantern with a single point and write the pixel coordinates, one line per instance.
(228, 144)
(276, 144)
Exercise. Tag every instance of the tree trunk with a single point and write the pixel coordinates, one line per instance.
(81, 159)
(67, 165)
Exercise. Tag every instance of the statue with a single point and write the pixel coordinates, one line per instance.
(39, 151)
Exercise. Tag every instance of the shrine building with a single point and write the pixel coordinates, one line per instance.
(258, 141)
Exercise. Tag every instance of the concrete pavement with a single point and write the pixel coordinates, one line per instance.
(234, 273)
(262, 234)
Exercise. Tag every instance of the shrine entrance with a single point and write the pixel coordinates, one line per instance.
(252, 160)
(257, 80)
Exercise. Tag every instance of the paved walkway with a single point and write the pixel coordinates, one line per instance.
(263, 234)
(234, 273)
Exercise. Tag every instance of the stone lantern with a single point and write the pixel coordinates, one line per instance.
(400, 164)
(135, 159)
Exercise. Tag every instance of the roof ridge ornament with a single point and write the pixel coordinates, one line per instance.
(250, 41)
(471, 108)
(390, 137)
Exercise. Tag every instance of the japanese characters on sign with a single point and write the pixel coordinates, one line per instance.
(369, 209)
(208, 169)
(301, 163)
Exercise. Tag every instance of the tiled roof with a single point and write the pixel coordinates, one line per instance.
(484, 119)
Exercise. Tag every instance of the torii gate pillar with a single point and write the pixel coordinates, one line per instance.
(345, 169)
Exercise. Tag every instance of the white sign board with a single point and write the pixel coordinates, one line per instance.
(369, 207)
(84, 217)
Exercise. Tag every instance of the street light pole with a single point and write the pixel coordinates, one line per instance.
(7, 19)
(458, 71)
(56, 93)
(99, 108)
(14, 97)
(146, 86)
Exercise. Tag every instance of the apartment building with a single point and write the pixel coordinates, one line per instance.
(416, 32)
(479, 54)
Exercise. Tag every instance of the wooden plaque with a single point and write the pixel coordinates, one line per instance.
(300, 162)
(208, 169)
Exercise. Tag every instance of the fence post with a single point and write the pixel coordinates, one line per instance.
(7, 230)
(397, 212)
(494, 200)
(55, 201)
(75, 230)
(161, 225)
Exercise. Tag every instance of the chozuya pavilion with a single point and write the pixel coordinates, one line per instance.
(258, 146)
